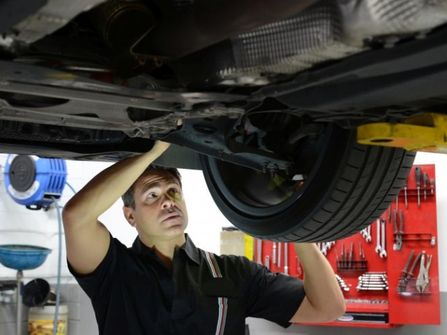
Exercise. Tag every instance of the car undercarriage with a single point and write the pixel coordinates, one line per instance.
(264, 97)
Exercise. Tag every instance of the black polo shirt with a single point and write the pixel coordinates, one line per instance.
(134, 293)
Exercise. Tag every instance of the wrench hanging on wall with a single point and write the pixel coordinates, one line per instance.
(383, 253)
(378, 240)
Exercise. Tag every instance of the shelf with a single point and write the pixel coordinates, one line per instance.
(367, 308)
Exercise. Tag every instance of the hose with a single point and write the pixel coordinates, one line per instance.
(59, 266)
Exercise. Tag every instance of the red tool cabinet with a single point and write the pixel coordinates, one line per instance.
(381, 294)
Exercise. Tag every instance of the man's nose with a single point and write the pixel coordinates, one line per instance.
(168, 202)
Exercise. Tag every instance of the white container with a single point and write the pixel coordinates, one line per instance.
(40, 320)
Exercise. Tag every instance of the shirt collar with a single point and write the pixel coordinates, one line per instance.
(190, 249)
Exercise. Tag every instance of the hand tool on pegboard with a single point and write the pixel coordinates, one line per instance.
(406, 194)
(373, 281)
(348, 262)
(408, 273)
(279, 251)
(378, 239)
(363, 260)
(426, 183)
(432, 186)
(342, 283)
(417, 175)
(366, 233)
(274, 246)
(325, 247)
(351, 263)
(383, 252)
(423, 278)
(381, 238)
(398, 226)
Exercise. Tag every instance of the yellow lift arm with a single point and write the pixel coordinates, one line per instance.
(425, 132)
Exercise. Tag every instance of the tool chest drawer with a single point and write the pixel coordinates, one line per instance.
(388, 272)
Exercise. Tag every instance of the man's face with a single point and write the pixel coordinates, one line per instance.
(160, 211)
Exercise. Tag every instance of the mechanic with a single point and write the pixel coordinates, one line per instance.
(163, 284)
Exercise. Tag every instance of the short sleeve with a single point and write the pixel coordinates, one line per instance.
(100, 280)
(273, 296)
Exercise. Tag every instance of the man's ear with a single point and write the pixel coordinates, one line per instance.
(128, 214)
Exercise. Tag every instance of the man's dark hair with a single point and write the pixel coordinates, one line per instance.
(128, 196)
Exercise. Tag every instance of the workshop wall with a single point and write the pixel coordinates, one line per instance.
(19, 225)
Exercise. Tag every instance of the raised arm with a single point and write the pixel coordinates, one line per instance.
(87, 239)
(324, 300)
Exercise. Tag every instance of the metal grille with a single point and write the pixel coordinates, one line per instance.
(396, 15)
(296, 37)
(390, 18)
(395, 11)
(329, 30)
(290, 46)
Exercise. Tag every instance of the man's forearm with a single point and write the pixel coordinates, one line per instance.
(104, 189)
(320, 284)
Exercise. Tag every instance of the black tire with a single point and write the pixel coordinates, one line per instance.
(350, 186)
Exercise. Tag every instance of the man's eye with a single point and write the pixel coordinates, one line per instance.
(152, 195)
(175, 193)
